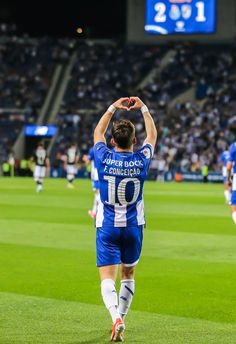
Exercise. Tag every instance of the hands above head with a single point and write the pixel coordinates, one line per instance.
(127, 103)
(135, 103)
(122, 103)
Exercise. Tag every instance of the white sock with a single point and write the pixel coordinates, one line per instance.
(98, 199)
(109, 296)
(70, 178)
(227, 195)
(96, 203)
(39, 187)
(234, 216)
(126, 295)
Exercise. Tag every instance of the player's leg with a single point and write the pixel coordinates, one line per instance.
(227, 193)
(96, 200)
(132, 238)
(127, 287)
(233, 205)
(42, 174)
(108, 276)
(108, 289)
(37, 178)
(108, 259)
(70, 179)
(70, 176)
(233, 209)
(40, 184)
(233, 199)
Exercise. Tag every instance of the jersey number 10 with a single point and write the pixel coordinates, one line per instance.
(120, 190)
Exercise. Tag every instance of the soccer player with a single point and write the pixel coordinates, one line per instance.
(120, 217)
(224, 157)
(89, 159)
(232, 164)
(70, 165)
(42, 165)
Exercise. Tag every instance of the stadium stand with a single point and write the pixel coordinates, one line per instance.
(26, 69)
(193, 131)
(102, 72)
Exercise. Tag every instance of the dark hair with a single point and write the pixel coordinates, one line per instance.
(123, 132)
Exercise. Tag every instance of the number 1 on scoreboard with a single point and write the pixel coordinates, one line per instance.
(200, 11)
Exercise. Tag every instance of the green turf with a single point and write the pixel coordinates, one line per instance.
(49, 286)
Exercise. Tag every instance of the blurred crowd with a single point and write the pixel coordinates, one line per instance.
(26, 69)
(191, 133)
(102, 73)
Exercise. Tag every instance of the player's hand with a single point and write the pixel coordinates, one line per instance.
(122, 103)
(135, 103)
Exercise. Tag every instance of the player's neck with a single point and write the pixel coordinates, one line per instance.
(128, 150)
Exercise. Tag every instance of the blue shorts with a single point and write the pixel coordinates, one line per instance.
(233, 198)
(95, 185)
(224, 180)
(117, 245)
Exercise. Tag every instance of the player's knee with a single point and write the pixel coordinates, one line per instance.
(127, 272)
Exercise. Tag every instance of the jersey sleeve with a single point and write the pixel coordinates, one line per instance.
(100, 150)
(91, 154)
(146, 154)
(232, 153)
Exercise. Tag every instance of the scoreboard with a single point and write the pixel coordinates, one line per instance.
(40, 130)
(164, 17)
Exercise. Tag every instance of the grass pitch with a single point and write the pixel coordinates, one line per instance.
(49, 286)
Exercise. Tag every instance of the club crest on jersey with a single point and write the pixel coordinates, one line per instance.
(146, 153)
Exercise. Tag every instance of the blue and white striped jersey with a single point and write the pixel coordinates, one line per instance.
(121, 179)
(232, 155)
(225, 157)
(94, 171)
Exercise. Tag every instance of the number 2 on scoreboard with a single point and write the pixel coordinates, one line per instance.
(160, 8)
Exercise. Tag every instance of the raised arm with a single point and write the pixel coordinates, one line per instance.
(136, 103)
(101, 128)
